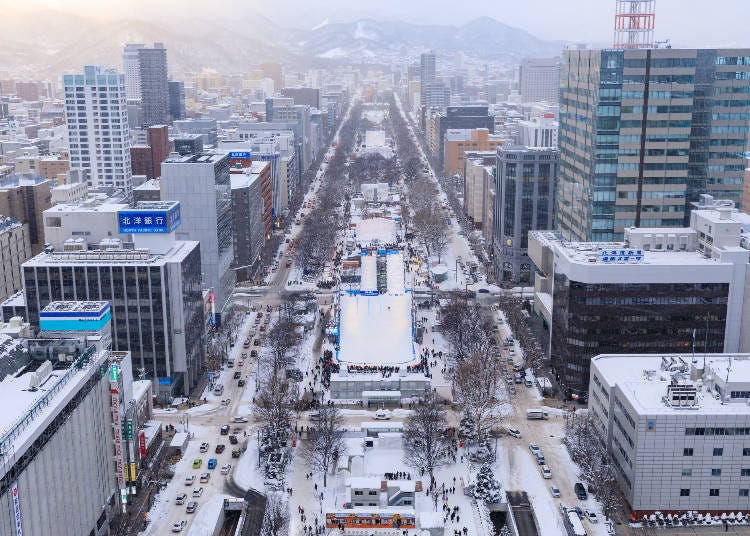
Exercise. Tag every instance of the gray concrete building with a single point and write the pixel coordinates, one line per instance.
(525, 186)
(152, 69)
(539, 79)
(202, 185)
(15, 249)
(678, 429)
(247, 215)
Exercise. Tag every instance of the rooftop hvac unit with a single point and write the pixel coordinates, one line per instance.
(682, 396)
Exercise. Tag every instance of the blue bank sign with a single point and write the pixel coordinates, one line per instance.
(240, 154)
(147, 221)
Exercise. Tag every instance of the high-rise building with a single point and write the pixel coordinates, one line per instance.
(659, 290)
(202, 185)
(26, 199)
(275, 72)
(303, 95)
(97, 119)
(15, 249)
(176, 100)
(248, 214)
(644, 132)
(456, 117)
(426, 73)
(153, 285)
(459, 141)
(146, 159)
(132, 70)
(152, 65)
(539, 79)
(525, 186)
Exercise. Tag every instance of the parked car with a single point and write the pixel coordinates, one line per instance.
(555, 491)
(204, 446)
(534, 448)
(177, 526)
(192, 506)
(197, 492)
(205, 477)
(197, 463)
(181, 498)
(591, 516)
(382, 415)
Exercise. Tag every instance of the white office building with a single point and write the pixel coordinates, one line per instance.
(97, 119)
(131, 68)
(539, 79)
(678, 428)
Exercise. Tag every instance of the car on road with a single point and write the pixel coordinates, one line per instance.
(219, 448)
(534, 448)
(580, 491)
(197, 492)
(241, 383)
(205, 477)
(233, 439)
(256, 342)
(546, 473)
(197, 463)
(555, 491)
(239, 418)
(382, 415)
(514, 433)
(237, 375)
(244, 355)
(189, 480)
(226, 468)
(181, 498)
(591, 516)
(177, 526)
(236, 453)
(213, 462)
(192, 506)
(225, 429)
(204, 446)
(315, 416)
(254, 353)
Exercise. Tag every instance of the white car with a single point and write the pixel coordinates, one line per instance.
(534, 448)
(591, 516)
(514, 433)
(197, 492)
(177, 526)
(382, 415)
(181, 498)
(189, 480)
(555, 491)
(226, 468)
(239, 418)
(546, 473)
(204, 446)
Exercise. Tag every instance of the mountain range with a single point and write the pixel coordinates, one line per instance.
(56, 42)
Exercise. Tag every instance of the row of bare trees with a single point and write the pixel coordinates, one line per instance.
(519, 322)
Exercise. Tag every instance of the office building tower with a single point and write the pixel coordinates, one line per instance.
(539, 79)
(644, 132)
(524, 202)
(25, 199)
(660, 290)
(248, 185)
(152, 65)
(459, 141)
(132, 70)
(426, 73)
(307, 96)
(205, 127)
(146, 159)
(153, 285)
(479, 187)
(455, 117)
(188, 144)
(677, 427)
(176, 100)
(97, 120)
(275, 72)
(202, 185)
(15, 249)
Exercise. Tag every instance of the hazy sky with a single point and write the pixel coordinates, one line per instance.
(685, 22)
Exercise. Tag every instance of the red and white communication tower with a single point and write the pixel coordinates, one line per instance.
(634, 23)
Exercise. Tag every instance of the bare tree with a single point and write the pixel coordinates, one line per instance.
(426, 445)
(477, 380)
(281, 341)
(326, 441)
(466, 328)
(276, 516)
(275, 401)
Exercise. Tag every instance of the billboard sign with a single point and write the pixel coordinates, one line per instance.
(117, 430)
(17, 510)
(240, 154)
(136, 221)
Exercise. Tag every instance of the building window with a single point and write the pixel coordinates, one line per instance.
(744, 472)
(687, 452)
(713, 492)
(746, 452)
(687, 472)
(715, 472)
(684, 492)
(744, 492)
(718, 451)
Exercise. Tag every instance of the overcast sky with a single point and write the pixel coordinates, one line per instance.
(685, 22)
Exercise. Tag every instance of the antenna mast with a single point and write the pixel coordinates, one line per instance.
(634, 23)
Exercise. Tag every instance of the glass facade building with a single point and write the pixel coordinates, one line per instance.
(644, 132)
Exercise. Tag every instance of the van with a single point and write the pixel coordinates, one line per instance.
(219, 390)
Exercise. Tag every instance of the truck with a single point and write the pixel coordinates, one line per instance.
(536, 413)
